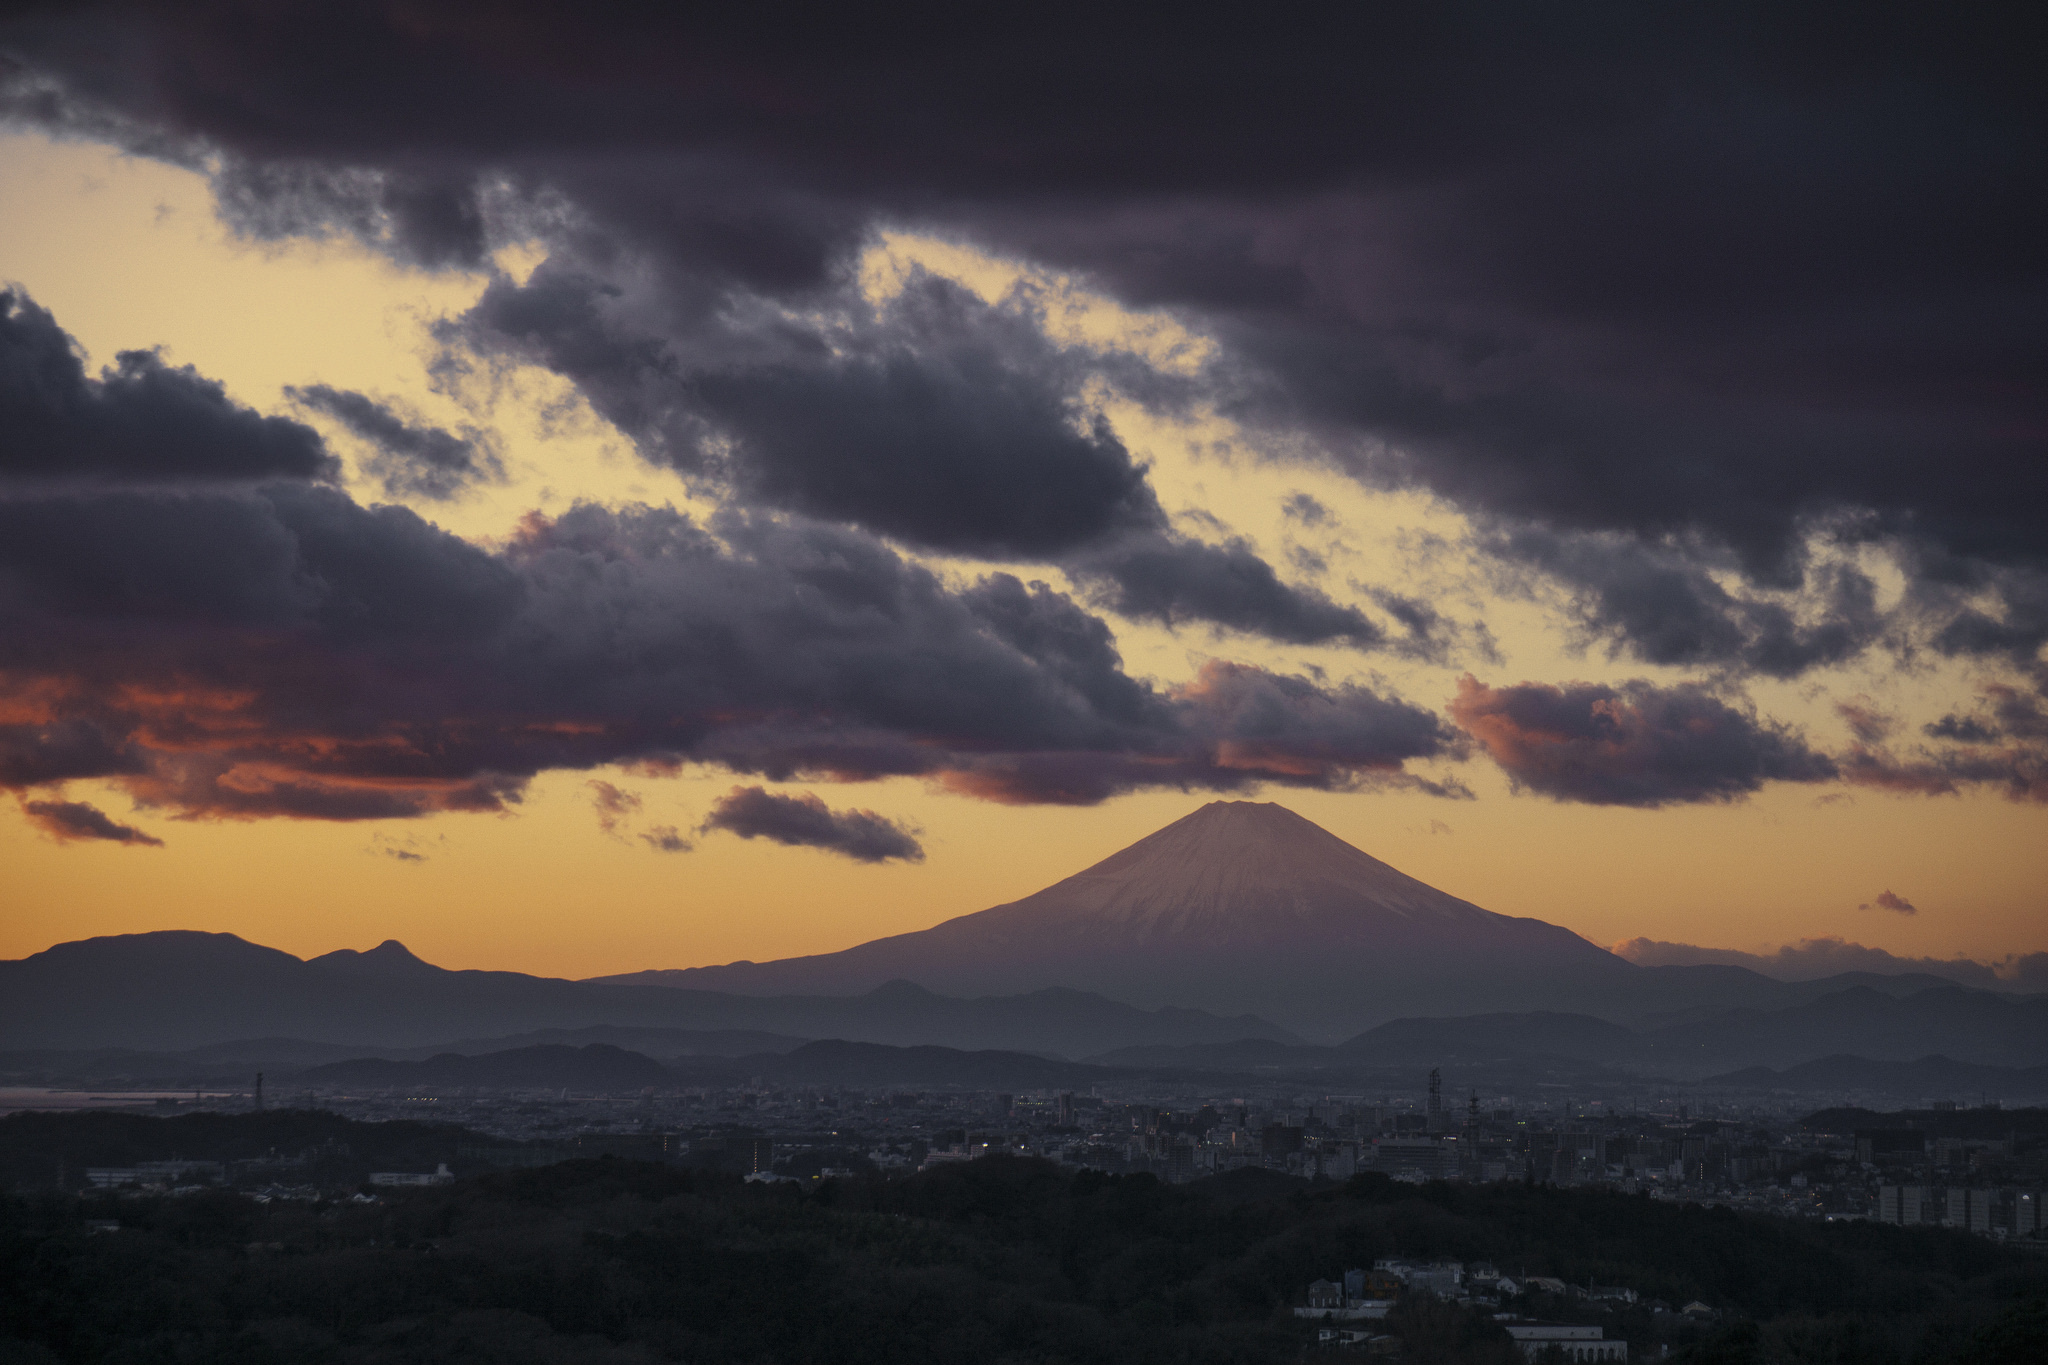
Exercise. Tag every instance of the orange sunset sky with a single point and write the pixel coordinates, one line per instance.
(567, 878)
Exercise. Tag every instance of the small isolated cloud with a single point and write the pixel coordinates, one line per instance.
(755, 813)
(399, 850)
(1636, 744)
(1439, 827)
(614, 805)
(66, 821)
(666, 839)
(1888, 901)
(1304, 508)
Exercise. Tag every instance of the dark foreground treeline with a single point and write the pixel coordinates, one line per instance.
(998, 1260)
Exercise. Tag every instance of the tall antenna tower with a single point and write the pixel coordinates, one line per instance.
(259, 1092)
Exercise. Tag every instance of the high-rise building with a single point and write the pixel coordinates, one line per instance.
(1969, 1209)
(1066, 1109)
(1180, 1160)
(1914, 1205)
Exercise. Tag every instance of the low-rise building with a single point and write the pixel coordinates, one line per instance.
(1577, 1343)
(440, 1175)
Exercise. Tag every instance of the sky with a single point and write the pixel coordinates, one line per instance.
(579, 499)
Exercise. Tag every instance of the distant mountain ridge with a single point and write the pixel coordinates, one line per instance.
(176, 990)
(1235, 905)
(1979, 1028)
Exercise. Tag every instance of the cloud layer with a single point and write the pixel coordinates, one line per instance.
(1813, 958)
(278, 649)
(1811, 312)
(1694, 328)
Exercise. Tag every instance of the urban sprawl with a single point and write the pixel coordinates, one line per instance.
(1782, 1160)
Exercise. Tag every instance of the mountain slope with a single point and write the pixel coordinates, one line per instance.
(1237, 906)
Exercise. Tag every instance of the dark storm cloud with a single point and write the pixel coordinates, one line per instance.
(937, 419)
(1169, 579)
(1633, 745)
(140, 421)
(934, 418)
(423, 461)
(1657, 294)
(1243, 726)
(1708, 272)
(1661, 603)
(1705, 279)
(58, 751)
(954, 425)
(432, 220)
(280, 650)
(806, 821)
(69, 820)
(281, 556)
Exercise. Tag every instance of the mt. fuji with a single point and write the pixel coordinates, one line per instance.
(1239, 905)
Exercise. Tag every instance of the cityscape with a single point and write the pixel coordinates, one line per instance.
(1981, 1170)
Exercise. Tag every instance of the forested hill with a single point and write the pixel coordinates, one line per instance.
(605, 1262)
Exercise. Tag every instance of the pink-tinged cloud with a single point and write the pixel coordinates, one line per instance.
(614, 806)
(2003, 744)
(1636, 744)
